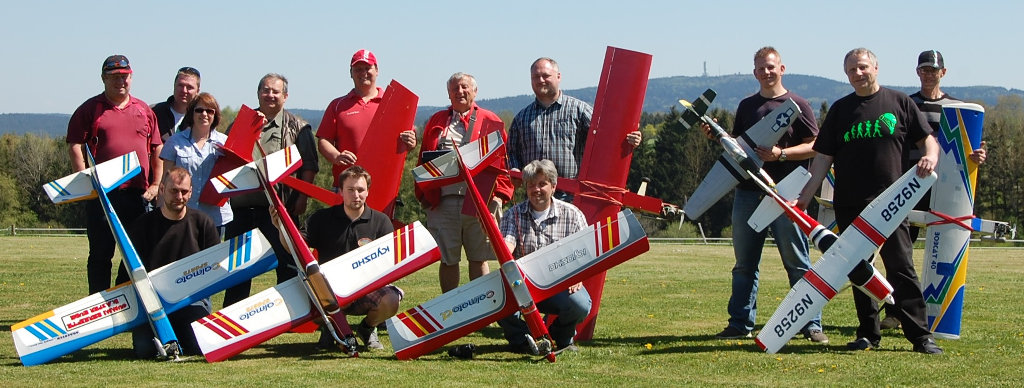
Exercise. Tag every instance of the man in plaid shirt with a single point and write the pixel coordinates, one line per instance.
(531, 225)
(554, 126)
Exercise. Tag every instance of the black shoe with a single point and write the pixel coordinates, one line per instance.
(861, 344)
(733, 333)
(464, 351)
(928, 346)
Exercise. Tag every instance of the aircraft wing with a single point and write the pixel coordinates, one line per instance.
(86, 321)
(947, 240)
(727, 172)
(856, 244)
(486, 299)
(768, 210)
(444, 170)
(383, 155)
(78, 186)
(285, 306)
(827, 215)
(237, 150)
(246, 178)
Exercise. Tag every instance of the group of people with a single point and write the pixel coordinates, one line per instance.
(177, 141)
(864, 167)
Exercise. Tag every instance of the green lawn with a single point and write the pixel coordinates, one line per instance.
(657, 325)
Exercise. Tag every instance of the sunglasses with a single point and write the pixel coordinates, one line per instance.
(189, 70)
(116, 64)
(204, 110)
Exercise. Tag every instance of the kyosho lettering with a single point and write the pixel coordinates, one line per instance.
(464, 305)
(793, 315)
(368, 258)
(901, 199)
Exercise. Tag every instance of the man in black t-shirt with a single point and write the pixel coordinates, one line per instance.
(863, 138)
(163, 237)
(341, 228)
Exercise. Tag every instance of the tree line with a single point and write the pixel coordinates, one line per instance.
(673, 158)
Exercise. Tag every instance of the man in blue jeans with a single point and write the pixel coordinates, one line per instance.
(529, 226)
(792, 150)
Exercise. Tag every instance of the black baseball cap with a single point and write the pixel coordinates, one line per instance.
(930, 58)
(116, 64)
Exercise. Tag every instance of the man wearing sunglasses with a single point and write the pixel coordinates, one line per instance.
(169, 113)
(115, 123)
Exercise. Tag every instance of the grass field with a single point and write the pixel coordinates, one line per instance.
(656, 328)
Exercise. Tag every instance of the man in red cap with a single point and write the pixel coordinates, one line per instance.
(348, 117)
(115, 123)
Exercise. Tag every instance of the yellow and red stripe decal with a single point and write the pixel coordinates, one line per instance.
(607, 235)
(403, 241)
(227, 183)
(432, 169)
(222, 325)
(418, 321)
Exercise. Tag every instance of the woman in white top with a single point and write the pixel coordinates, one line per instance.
(196, 147)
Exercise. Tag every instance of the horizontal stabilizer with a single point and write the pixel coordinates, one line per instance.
(78, 186)
(246, 178)
(788, 188)
(444, 170)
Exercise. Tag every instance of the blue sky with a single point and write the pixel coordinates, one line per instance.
(53, 49)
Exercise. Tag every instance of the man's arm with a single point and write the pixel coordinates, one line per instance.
(802, 151)
(77, 156)
(930, 159)
(156, 168)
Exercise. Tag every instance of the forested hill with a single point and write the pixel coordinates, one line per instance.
(662, 94)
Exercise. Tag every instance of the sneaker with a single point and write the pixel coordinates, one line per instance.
(861, 344)
(733, 333)
(369, 337)
(890, 322)
(816, 335)
(928, 346)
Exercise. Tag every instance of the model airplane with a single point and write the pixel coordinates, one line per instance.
(855, 245)
(739, 162)
(337, 283)
(863, 275)
(535, 277)
(237, 150)
(101, 315)
(599, 190)
(951, 219)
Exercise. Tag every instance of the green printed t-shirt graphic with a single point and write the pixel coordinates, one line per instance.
(872, 129)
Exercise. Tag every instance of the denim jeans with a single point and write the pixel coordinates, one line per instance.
(570, 308)
(748, 245)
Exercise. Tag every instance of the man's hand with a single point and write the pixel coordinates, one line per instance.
(151, 192)
(979, 155)
(771, 154)
(408, 138)
(926, 165)
(345, 157)
(634, 138)
(575, 287)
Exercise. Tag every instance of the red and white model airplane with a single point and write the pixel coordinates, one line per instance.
(532, 278)
(319, 291)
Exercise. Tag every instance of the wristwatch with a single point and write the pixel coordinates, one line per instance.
(782, 157)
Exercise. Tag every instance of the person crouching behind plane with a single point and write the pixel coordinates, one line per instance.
(335, 231)
(163, 237)
(531, 225)
(461, 123)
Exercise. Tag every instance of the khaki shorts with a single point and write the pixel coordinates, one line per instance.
(363, 305)
(454, 231)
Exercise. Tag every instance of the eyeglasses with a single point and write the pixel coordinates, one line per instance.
(116, 64)
(189, 70)
(204, 110)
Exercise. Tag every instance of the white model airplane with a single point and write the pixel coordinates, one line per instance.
(738, 161)
(151, 295)
(842, 257)
(320, 291)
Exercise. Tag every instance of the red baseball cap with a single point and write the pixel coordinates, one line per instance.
(364, 55)
(116, 64)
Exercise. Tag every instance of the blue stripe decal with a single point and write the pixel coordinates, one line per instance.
(40, 336)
